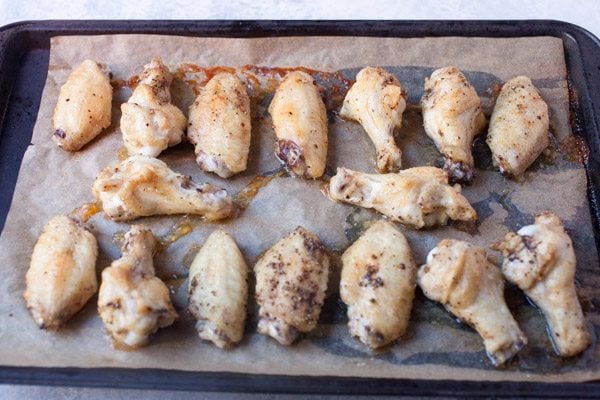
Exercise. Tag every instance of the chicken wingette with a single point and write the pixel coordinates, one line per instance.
(378, 284)
(419, 197)
(83, 108)
(460, 276)
(218, 290)
(220, 125)
(300, 123)
(540, 260)
(377, 102)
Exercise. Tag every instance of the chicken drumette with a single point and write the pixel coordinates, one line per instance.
(459, 275)
(133, 303)
(377, 102)
(540, 260)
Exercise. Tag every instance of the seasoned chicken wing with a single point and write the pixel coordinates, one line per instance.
(218, 290)
(149, 122)
(133, 303)
(84, 106)
(540, 259)
(378, 284)
(459, 275)
(419, 197)
(220, 126)
(518, 127)
(291, 279)
(452, 117)
(300, 122)
(377, 102)
(142, 186)
(62, 274)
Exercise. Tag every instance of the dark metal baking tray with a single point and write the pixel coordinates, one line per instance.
(24, 52)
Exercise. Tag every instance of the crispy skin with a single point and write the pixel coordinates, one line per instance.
(143, 186)
(218, 290)
(62, 275)
(452, 117)
(300, 122)
(133, 303)
(378, 284)
(540, 259)
(418, 197)
(377, 102)
(220, 126)
(518, 127)
(291, 279)
(459, 275)
(83, 107)
(149, 122)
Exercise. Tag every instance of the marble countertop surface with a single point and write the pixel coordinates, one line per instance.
(585, 13)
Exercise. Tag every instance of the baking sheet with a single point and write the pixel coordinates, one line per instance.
(436, 346)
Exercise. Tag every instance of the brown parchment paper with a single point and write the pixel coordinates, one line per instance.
(436, 346)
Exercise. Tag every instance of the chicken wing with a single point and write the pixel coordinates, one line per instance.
(378, 284)
(218, 290)
(220, 126)
(291, 279)
(84, 106)
(452, 117)
(518, 127)
(149, 122)
(142, 186)
(133, 303)
(62, 274)
(377, 102)
(459, 275)
(418, 197)
(300, 122)
(540, 260)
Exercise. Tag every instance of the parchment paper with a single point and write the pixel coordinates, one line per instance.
(436, 346)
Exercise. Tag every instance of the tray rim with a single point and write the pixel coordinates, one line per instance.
(260, 383)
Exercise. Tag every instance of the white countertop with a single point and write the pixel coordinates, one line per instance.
(585, 13)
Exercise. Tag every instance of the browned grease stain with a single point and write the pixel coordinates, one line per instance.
(86, 211)
(574, 149)
(122, 154)
(180, 229)
(244, 197)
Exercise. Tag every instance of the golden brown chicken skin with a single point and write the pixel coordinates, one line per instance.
(291, 279)
(149, 122)
(460, 276)
(220, 125)
(218, 290)
(418, 197)
(144, 186)
(378, 284)
(300, 123)
(540, 260)
(519, 126)
(83, 108)
(133, 303)
(377, 102)
(62, 274)
(452, 117)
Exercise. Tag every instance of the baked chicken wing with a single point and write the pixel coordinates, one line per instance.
(377, 102)
(143, 186)
(133, 303)
(459, 275)
(540, 260)
(220, 126)
(62, 274)
(84, 106)
(149, 122)
(291, 279)
(452, 117)
(518, 127)
(218, 290)
(378, 284)
(300, 122)
(418, 197)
